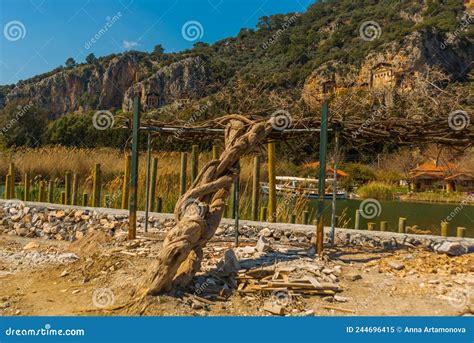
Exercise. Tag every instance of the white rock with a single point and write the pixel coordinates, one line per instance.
(452, 248)
(262, 245)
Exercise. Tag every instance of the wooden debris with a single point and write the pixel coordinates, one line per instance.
(273, 308)
(328, 307)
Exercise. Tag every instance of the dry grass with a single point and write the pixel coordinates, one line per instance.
(53, 163)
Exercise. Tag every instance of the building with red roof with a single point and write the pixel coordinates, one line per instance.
(448, 177)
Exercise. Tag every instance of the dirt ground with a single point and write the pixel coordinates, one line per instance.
(98, 275)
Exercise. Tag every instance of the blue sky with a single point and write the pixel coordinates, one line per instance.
(39, 35)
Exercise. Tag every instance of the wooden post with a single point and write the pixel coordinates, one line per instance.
(232, 202)
(357, 220)
(460, 232)
(402, 223)
(8, 187)
(126, 183)
(371, 226)
(159, 204)
(293, 219)
(67, 187)
(320, 236)
(182, 179)
(42, 192)
(26, 187)
(11, 171)
(255, 187)
(194, 162)
(132, 217)
(75, 185)
(85, 199)
(263, 214)
(383, 226)
(63, 198)
(51, 191)
(96, 186)
(215, 152)
(305, 217)
(147, 180)
(154, 173)
(271, 183)
(444, 229)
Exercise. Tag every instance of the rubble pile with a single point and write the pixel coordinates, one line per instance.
(64, 224)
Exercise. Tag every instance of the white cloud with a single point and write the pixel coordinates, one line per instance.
(129, 44)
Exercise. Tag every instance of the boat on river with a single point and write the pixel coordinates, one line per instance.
(302, 187)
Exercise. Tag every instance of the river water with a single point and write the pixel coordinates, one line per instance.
(425, 215)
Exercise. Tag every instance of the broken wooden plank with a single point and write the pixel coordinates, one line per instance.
(323, 286)
(328, 307)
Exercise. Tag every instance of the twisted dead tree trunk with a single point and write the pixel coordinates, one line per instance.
(199, 211)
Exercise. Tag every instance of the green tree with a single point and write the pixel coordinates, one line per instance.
(22, 124)
(70, 62)
(158, 50)
(91, 58)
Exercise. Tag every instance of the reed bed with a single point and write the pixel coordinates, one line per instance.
(45, 164)
(377, 190)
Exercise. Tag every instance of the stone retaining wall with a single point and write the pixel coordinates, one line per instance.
(53, 221)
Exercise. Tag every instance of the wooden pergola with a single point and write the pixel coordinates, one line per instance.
(217, 132)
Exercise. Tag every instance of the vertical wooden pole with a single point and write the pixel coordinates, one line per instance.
(85, 199)
(263, 214)
(231, 207)
(255, 187)
(383, 226)
(182, 180)
(460, 232)
(194, 162)
(67, 187)
(444, 229)
(322, 173)
(126, 183)
(320, 236)
(96, 186)
(42, 192)
(11, 171)
(357, 220)
(371, 226)
(215, 152)
(147, 181)
(132, 218)
(51, 191)
(8, 187)
(402, 223)
(154, 173)
(271, 183)
(63, 198)
(26, 188)
(75, 185)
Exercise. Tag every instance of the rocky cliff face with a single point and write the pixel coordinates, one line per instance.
(186, 79)
(96, 86)
(390, 66)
